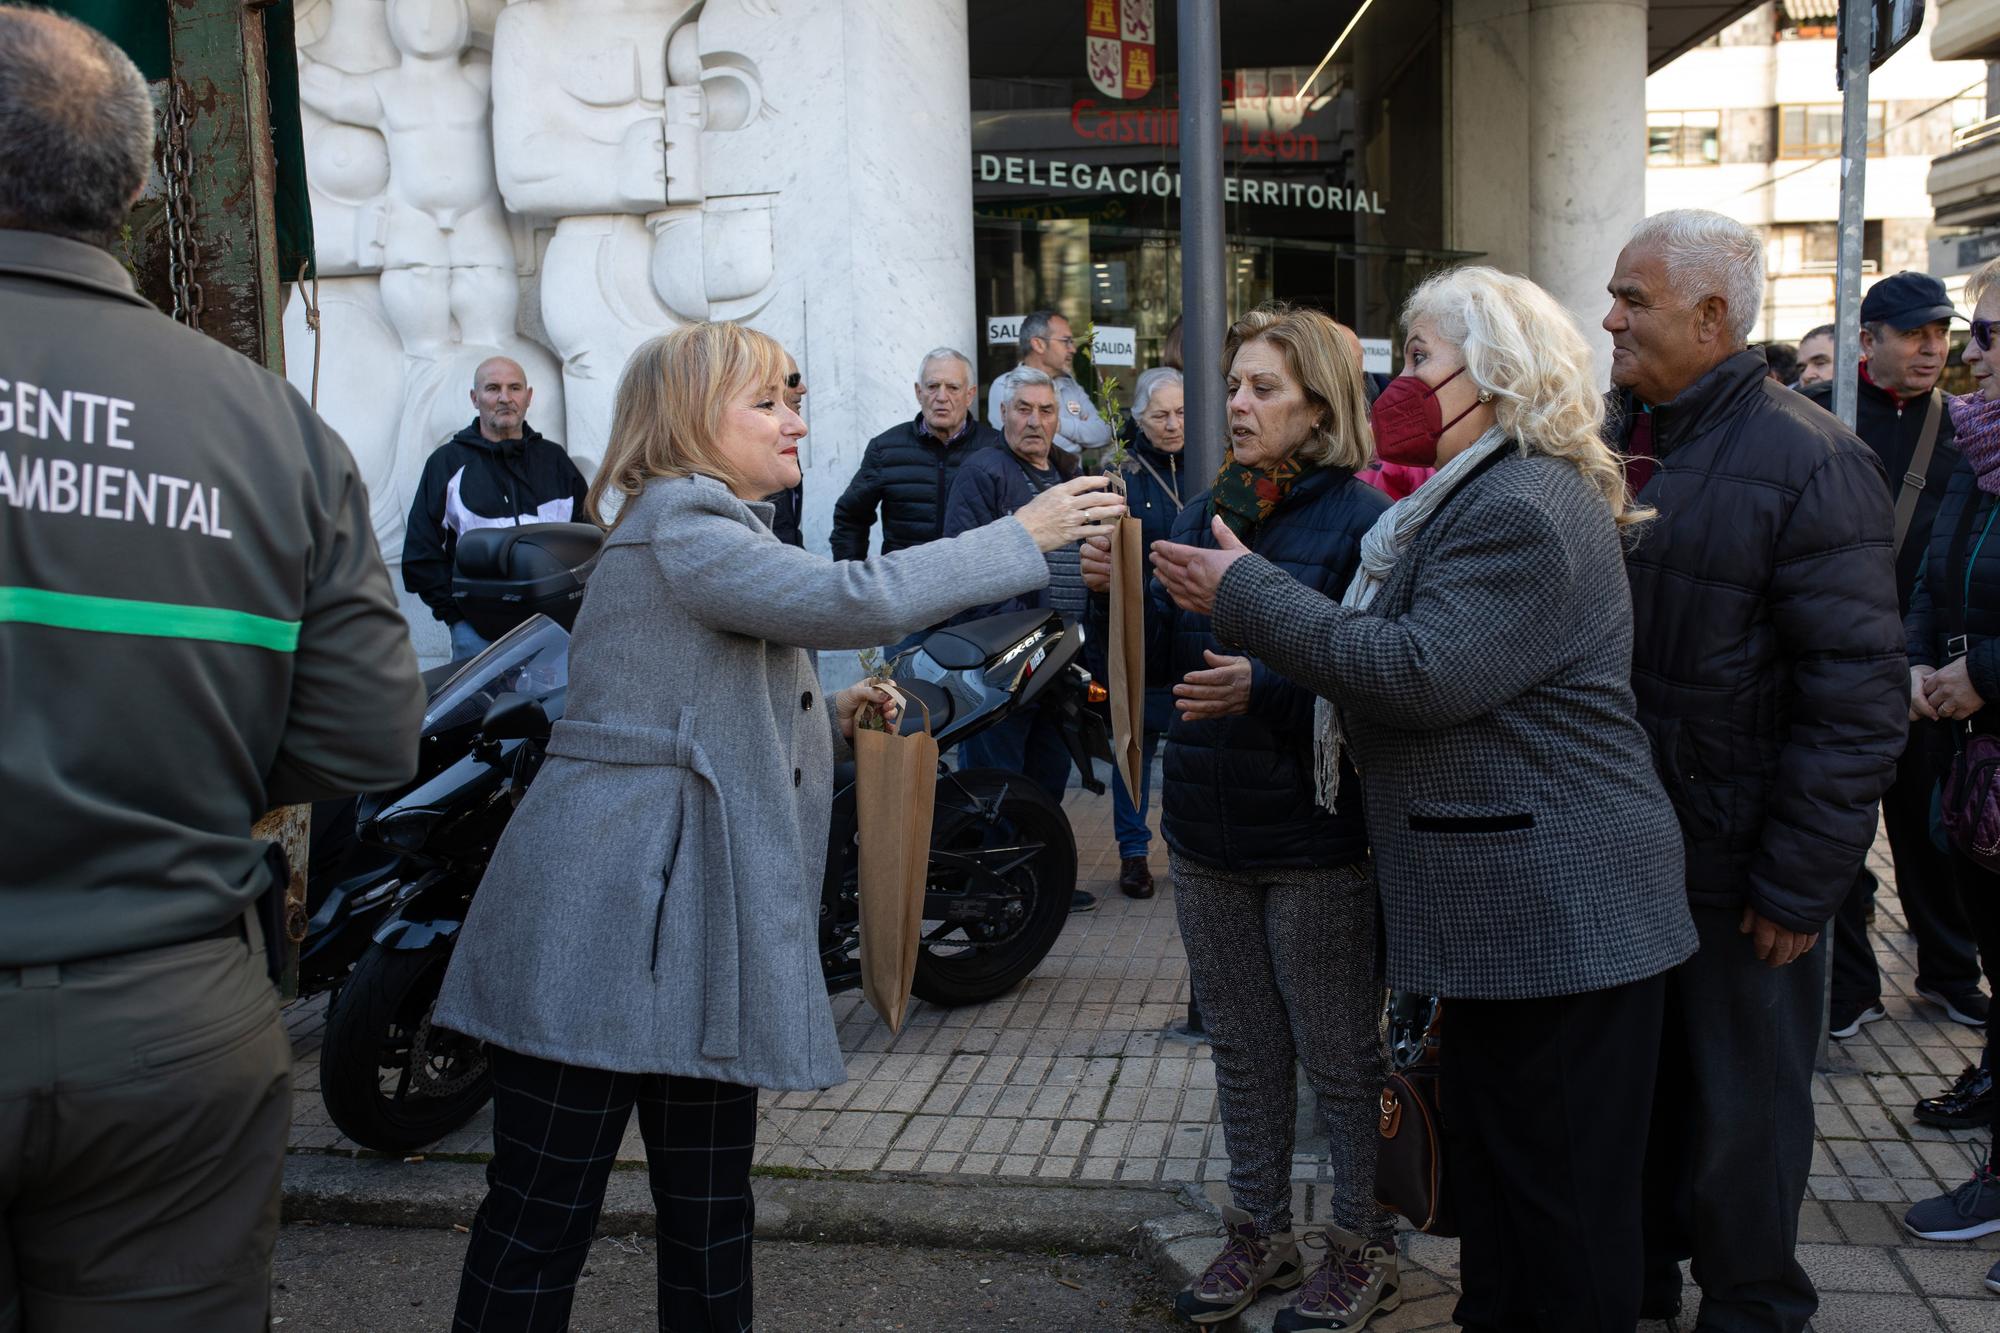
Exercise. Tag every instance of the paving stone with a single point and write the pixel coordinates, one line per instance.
(1850, 1312)
(1861, 1223)
(1974, 1316)
(1852, 1268)
(1956, 1270)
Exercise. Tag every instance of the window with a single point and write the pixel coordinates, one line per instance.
(1814, 131)
(1683, 138)
(1792, 248)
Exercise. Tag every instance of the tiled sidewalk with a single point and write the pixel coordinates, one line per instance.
(1076, 1076)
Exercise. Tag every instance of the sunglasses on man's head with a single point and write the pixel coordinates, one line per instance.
(1982, 334)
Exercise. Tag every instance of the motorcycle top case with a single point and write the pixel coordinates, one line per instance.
(501, 576)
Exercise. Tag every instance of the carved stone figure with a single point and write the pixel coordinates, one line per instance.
(447, 255)
(601, 112)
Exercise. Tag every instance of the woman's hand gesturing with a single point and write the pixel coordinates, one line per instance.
(1077, 508)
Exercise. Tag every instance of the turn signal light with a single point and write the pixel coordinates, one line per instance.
(1097, 694)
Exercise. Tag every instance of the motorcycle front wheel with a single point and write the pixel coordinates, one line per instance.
(389, 1079)
(1002, 869)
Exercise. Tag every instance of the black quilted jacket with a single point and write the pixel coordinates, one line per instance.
(1239, 790)
(907, 474)
(1768, 656)
(1962, 568)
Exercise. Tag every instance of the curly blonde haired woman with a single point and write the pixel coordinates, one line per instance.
(1478, 671)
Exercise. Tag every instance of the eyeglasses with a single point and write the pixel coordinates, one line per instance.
(1066, 342)
(1982, 334)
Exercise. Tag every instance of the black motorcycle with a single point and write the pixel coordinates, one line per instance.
(1002, 862)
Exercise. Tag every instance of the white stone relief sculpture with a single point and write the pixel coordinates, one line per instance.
(446, 256)
(418, 261)
(603, 110)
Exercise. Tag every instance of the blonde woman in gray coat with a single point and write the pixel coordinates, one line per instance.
(646, 935)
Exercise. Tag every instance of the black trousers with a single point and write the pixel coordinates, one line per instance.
(1979, 890)
(556, 1131)
(1926, 884)
(1545, 1104)
(1733, 1132)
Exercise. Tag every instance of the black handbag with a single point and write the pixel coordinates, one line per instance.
(1410, 1173)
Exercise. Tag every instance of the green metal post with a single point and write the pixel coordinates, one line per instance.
(218, 55)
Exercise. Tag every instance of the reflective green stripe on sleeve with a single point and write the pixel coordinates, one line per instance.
(163, 620)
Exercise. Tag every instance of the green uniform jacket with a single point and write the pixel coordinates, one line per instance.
(195, 624)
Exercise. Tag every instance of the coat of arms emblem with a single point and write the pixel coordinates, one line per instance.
(1121, 46)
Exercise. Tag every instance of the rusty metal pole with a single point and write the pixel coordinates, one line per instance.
(218, 57)
(220, 91)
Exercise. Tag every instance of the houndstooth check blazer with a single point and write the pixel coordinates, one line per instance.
(1522, 840)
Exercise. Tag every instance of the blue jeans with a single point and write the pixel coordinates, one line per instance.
(466, 641)
(1028, 743)
(1128, 817)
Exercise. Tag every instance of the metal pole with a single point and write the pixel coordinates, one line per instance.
(1857, 26)
(1857, 47)
(1204, 289)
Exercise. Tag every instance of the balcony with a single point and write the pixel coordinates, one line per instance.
(1967, 30)
(1965, 183)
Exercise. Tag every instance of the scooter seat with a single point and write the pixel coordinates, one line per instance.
(978, 642)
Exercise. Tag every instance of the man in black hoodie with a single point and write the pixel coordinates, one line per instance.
(496, 473)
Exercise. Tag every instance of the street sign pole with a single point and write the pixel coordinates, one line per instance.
(1204, 293)
(1857, 26)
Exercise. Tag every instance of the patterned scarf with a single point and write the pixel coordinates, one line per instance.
(1975, 422)
(1244, 496)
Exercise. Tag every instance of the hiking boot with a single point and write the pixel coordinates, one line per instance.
(1969, 1009)
(1135, 880)
(1249, 1265)
(1972, 1102)
(1967, 1213)
(1847, 1025)
(1350, 1286)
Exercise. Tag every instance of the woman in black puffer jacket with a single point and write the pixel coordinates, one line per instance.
(1954, 640)
(1273, 893)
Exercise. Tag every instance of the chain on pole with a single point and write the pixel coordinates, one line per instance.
(176, 173)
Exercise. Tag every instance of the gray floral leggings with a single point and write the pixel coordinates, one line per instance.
(1283, 966)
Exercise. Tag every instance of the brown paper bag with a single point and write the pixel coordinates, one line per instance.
(1128, 649)
(895, 788)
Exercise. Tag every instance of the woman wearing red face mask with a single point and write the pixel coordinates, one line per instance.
(1478, 671)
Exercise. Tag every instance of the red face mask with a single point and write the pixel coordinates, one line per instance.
(1408, 423)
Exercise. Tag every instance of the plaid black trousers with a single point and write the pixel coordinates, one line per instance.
(556, 1131)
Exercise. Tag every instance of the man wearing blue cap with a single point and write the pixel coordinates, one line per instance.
(1905, 342)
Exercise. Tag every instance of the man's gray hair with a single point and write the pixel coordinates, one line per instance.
(1036, 325)
(1707, 255)
(1022, 375)
(76, 127)
(1149, 384)
(944, 354)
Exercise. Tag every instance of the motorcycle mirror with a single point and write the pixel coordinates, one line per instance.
(513, 717)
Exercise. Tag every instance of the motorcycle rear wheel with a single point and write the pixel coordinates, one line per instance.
(988, 811)
(390, 1080)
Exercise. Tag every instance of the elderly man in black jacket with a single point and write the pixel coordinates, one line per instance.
(1767, 663)
(907, 470)
(1905, 341)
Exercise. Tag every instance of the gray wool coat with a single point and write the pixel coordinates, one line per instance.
(654, 904)
(1522, 840)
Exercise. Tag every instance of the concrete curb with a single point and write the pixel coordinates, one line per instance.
(1073, 1217)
